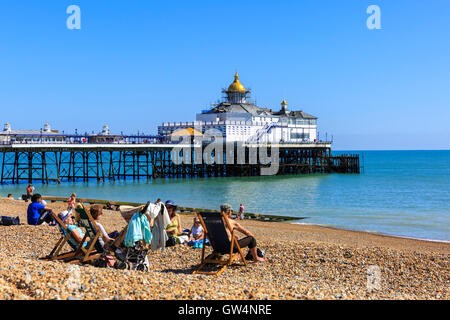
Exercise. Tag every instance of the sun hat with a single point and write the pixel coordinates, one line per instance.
(226, 207)
(64, 215)
(170, 203)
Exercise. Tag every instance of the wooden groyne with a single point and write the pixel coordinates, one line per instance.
(182, 210)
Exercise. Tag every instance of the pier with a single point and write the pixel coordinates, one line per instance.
(153, 159)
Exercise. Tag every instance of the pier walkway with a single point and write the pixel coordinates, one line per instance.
(58, 162)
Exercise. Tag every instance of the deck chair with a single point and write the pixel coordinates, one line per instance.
(214, 224)
(95, 249)
(65, 236)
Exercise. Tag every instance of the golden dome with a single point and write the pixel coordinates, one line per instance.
(236, 86)
(284, 103)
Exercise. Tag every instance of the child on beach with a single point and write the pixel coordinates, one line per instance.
(196, 233)
(71, 201)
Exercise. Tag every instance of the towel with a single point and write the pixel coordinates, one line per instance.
(138, 229)
(158, 213)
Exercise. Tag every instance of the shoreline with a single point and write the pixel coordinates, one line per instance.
(304, 262)
(294, 222)
(371, 232)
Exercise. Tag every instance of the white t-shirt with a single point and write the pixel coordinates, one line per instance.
(196, 230)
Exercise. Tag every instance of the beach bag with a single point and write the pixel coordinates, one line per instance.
(9, 221)
(172, 241)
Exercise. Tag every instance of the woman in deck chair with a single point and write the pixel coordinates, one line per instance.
(106, 239)
(77, 233)
(249, 241)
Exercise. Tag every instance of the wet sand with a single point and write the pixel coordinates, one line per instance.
(304, 262)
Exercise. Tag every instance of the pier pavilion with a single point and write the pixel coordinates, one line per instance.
(238, 119)
(289, 136)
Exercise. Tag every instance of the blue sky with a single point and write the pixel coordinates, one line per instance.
(135, 64)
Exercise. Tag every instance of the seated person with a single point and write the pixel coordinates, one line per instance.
(249, 241)
(36, 209)
(173, 229)
(106, 239)
(196, 233)
(77, 233)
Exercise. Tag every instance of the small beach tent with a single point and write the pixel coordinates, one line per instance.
(214, 224)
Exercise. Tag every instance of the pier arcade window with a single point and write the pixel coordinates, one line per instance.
(299, 136)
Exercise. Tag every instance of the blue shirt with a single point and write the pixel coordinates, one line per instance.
(34, 212)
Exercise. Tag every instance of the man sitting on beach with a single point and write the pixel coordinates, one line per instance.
(249, 241)
(36, 210)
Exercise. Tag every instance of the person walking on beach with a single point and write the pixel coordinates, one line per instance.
(241, 212)
(249, 241)
(30, 191)
(71, 201)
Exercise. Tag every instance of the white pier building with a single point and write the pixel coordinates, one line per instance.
(240, 120)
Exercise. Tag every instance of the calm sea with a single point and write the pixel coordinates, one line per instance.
(403, 193)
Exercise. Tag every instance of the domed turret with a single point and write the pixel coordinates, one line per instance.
(284, 106)
(236, 86)
(236, 92)
(7, 127)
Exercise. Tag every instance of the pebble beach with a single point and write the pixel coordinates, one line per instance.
(303, 262)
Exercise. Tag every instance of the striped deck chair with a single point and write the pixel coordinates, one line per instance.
(94, 249)
(65, 237)
(214, 224)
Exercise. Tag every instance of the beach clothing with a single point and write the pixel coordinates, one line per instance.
(173, 225)
(34, 211)
(158, 213)
(196, 230)
(241, 212)
(249, 242)
(71, 203)
(138, 229)
(103, 231)
(72, 227)
(197, 243)
(30, 191)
